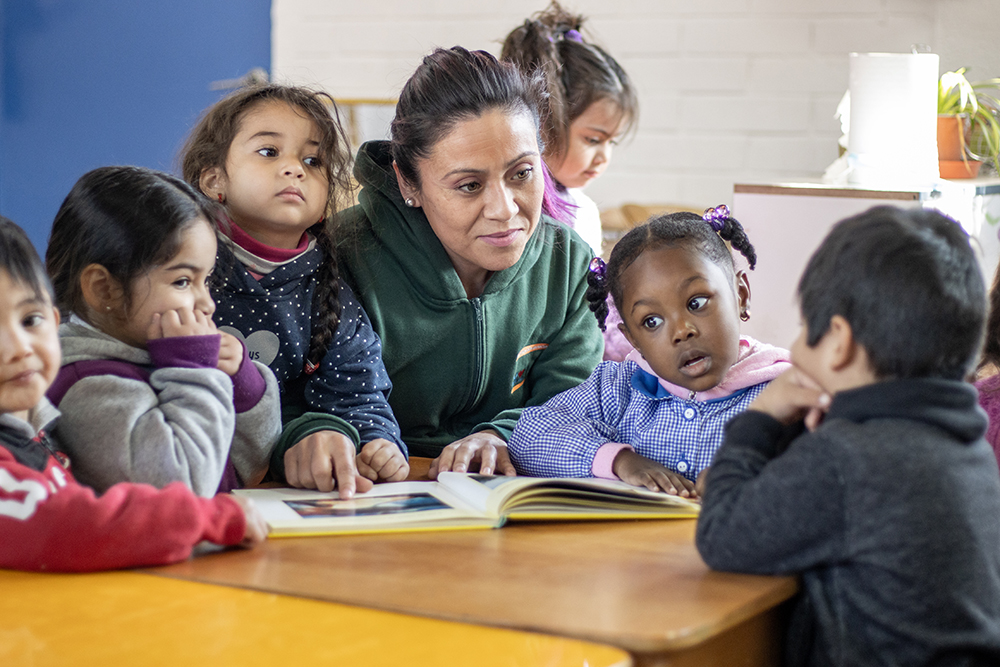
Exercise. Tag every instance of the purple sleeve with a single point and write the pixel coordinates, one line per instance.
(248, 384)
(185, 351)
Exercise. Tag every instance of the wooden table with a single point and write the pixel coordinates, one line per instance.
(128, 618)
(637, 585)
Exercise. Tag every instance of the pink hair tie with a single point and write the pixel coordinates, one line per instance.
(716, 217)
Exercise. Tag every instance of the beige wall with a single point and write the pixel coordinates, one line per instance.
(730, 90)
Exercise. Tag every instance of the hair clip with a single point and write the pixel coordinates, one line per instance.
(598, 268)
(716, 217)
(573, 36)
(310, 367)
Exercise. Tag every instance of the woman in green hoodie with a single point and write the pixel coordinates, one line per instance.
(478, 296)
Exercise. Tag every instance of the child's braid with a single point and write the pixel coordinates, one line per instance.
(326, 299)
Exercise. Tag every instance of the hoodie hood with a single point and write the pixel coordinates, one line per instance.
(950, 405)
(82, 342)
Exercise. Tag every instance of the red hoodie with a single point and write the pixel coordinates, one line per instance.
(50, 522)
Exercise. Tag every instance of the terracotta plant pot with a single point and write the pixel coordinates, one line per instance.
(952, 133)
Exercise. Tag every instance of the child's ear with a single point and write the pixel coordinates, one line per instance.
(843, 349)
(100, 290)
(628, 336)
(405, 188)
(212, 182)
(743, 294)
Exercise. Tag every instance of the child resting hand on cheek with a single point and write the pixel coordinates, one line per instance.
(864, 469)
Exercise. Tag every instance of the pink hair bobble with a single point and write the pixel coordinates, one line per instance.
(574, 36)
(716, 217)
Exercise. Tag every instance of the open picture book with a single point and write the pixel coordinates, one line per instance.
(461, 501)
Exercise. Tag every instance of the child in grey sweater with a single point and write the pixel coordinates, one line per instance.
(149, 390)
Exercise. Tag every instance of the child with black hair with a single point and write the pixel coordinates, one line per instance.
(656, 419)
(150, 390)
(277, 159)
(49, 521)
(864, 468)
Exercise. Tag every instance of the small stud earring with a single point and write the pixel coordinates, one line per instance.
(409, 202)
(745, 315)
(221, 199)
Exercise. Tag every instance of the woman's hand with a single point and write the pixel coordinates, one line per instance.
(637, 470)
(485, 448)
(381, 459)
(324, 460)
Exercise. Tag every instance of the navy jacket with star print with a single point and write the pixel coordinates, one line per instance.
(273, 316)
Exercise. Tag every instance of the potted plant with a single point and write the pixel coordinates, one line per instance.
(967, 124)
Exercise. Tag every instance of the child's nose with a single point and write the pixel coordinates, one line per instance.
(685, 330)
(14, 344)
(293, 168)
(205, 303)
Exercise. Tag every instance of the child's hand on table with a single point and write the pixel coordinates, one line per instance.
(793, 396)
(381, 460)
(325, 460)
(256, 531)
(637, 470)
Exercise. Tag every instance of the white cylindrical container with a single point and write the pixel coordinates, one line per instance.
(893, 136)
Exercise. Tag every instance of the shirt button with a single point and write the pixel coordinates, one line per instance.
(689, 413)
(682, 467)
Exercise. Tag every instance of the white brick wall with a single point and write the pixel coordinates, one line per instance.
(730, 90)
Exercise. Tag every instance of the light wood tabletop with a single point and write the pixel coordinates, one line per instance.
(637, 585)
(128, 618)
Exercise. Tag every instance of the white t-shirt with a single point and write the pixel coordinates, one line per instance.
(587, 220)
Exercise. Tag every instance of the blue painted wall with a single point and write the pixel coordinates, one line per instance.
(87, 83)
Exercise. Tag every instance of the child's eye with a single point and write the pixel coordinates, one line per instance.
(697, 303)
(313, 162)
(471, 186)
(267, 152)
(652, 322)
(593, 141)
(523, 174)
(182, 282)
(32, 320)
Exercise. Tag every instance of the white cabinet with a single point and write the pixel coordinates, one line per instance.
(786, 223)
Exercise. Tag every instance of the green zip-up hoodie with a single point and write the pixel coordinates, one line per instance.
(461, 365)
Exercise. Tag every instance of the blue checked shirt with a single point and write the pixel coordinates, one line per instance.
(620, 402)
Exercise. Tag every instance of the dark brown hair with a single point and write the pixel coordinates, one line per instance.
(208, 146)
(450, 86)
(127, 219)
(577, 73)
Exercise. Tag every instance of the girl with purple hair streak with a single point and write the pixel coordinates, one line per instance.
(477, 295)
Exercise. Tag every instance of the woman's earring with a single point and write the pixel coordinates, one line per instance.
(409, 202)
(221, 199)
(745, 315)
